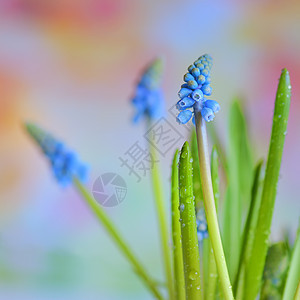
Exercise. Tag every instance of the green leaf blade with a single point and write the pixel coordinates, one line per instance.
(293, 277)
(190, 247)
(176, 233)
(260, 244)
(249, 230)
(240, 170)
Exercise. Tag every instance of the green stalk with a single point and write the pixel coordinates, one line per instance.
(293, 276)
(249, 230)
(260, 245)
(210, 292)
(210, 208)
(115, 235)
(176, 234)
(190, 247)
(163, 225)
(196, 172)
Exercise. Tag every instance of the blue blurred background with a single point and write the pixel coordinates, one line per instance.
(71, 66)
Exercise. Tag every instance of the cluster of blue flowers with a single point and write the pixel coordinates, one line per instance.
(201, 222)
(64, 162)
(193, 91)
(148, 99)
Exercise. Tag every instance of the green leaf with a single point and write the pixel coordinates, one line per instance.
(293, 276)
(249, 230)
(240, 172)
(176, 234)
(275, 270)
(196, 172)
(260, 244)
(297, 294)
(190, 248)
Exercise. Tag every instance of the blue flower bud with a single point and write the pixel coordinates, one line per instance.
(184, 116)
(213, 105)
(207, 56)
(201, 79)
(205, 72)
(207, 114)
(184, 86)
(184, 92)
(200, 66)
(195, 72)
(185, 103)
(192, 84)
(206, 89)
(188, 77)
(191, 67)
(197, 95)
(208, 80)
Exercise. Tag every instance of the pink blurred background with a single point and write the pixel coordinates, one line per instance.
(71, 66)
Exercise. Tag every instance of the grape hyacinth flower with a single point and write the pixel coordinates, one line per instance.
(202, 231)
(194, 91)
(148, 99)
(193, 103)
(64, 162)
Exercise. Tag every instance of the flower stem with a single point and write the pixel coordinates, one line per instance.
(176, 234)
(115, 235)
(210, 208)
(210, 292)
(162, 214)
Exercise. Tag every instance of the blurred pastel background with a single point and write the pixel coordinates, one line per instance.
(71, 66)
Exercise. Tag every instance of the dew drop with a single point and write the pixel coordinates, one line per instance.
(184, 154)
(181, 207)
(193, 274)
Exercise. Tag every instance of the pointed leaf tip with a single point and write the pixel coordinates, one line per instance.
(285, 77)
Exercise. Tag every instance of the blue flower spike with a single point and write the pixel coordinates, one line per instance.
(64, 162)
(148, 99)
(194, 91)
(202, 230)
